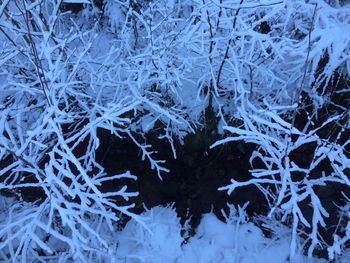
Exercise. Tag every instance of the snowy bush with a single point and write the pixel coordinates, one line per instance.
(135, 66)
(285, 183)
(278, 131)
(57, 91)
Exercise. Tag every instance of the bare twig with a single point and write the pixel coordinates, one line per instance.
(230, 42)
(39, 67)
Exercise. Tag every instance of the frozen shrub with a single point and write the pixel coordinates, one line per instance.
(132, 66)
(57, 91)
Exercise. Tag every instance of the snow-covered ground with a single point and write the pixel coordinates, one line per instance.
(158, 237)
(215, 241)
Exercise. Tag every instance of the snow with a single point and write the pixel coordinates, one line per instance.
(214, 241)
(158, 239)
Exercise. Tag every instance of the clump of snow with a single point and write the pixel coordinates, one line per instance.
(160, 241)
